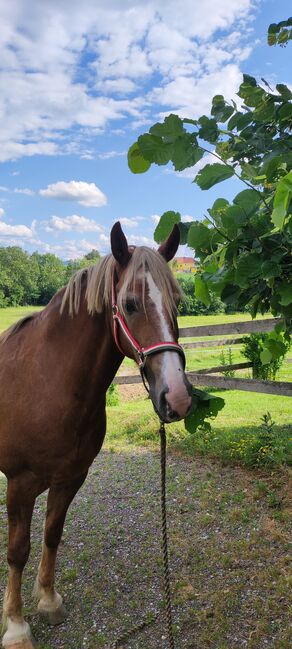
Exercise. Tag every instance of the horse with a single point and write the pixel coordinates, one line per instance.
(55, 368)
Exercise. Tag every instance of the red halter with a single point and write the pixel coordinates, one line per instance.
(142, 352)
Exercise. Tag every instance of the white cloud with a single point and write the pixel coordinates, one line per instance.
(87, 194)
(15, 230)
(23, 190)
(130, 223)
(140, 240)
(69, 223)
(72, 64)
(69, 249)
(2, 212)
(111, 154)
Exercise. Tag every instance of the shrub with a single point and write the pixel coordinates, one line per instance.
(253, 347)
(112, 395)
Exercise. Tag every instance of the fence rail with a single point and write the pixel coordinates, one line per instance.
(209, 377)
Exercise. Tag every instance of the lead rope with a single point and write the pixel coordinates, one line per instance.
(167, 593)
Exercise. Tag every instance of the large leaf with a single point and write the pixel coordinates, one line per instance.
(220, 110)
(199, 235)
(136, 162)
(285, 290)
(212, 174)
(282, 199)
(209, 129)
(165, 225)
(248, 267)
(154, 149)
(202, 291)
(186, 152)
(205, 406)
(172, 126)
(248, 200)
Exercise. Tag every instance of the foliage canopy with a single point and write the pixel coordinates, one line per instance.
(244, 246)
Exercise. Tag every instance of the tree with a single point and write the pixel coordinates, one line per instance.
(51, 275)
(244, 246)
(18, 277)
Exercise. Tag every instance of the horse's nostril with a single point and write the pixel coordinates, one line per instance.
(172, 414)
(162, 401)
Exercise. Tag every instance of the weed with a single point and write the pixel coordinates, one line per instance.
(226, 358)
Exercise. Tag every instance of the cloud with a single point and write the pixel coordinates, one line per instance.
(23, 190)
(87, 194)
(2, 212)
(78, 66)
(7, 230)
(69, 223)
(111, 154)
(70, 248)
(129, 223)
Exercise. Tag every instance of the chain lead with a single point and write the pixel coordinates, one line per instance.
(167, 593)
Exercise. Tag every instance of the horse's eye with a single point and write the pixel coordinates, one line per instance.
(131, 306)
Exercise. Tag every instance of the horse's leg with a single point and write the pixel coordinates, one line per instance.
(21, 494)
(50, 603)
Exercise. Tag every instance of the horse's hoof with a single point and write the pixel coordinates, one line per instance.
(54, 617)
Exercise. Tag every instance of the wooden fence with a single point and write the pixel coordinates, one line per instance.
(209, 377)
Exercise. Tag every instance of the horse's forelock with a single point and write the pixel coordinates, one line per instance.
(99, 282)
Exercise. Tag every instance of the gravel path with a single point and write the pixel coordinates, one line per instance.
(228, 555)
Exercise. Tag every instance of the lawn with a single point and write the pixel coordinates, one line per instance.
(236, 431)
(13, 313)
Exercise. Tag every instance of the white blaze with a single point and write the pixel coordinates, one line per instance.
(172, 373)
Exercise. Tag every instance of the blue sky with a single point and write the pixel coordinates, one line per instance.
(79, 81)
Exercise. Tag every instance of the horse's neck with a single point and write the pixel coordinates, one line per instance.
(84, 344)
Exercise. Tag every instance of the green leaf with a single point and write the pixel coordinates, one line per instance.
(184, 231)
(265, 356)
(136, 162)
(212, 174)
(202, 291)
(186, 152)
(154, 149)
(284, 91)
(209, 129)
(248, 267)
(282, 199)
(285, 290)
(165, 225)
(220, 110)
(205, 406)
(270, 269)
(251, 81)
(172, 126)
(199, 235)
(248, 200)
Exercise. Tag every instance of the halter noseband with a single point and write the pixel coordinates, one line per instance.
(142, 352)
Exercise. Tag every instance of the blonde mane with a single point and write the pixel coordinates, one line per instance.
(99, 282)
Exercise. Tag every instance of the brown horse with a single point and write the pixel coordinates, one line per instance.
(55, 369)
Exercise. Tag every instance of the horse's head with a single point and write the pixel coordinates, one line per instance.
(145, 295)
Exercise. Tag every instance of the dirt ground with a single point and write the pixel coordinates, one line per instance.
(229, 556)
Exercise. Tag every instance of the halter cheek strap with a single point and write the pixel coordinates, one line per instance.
(142, 352)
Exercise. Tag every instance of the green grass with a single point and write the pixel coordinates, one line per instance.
(236, 434)
(13, 313)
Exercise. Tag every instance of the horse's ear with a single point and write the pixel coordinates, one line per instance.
(170, 246)
(119, 245)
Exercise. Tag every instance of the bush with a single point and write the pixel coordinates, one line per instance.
(253, 347)
(189, 304)
(112, 395)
